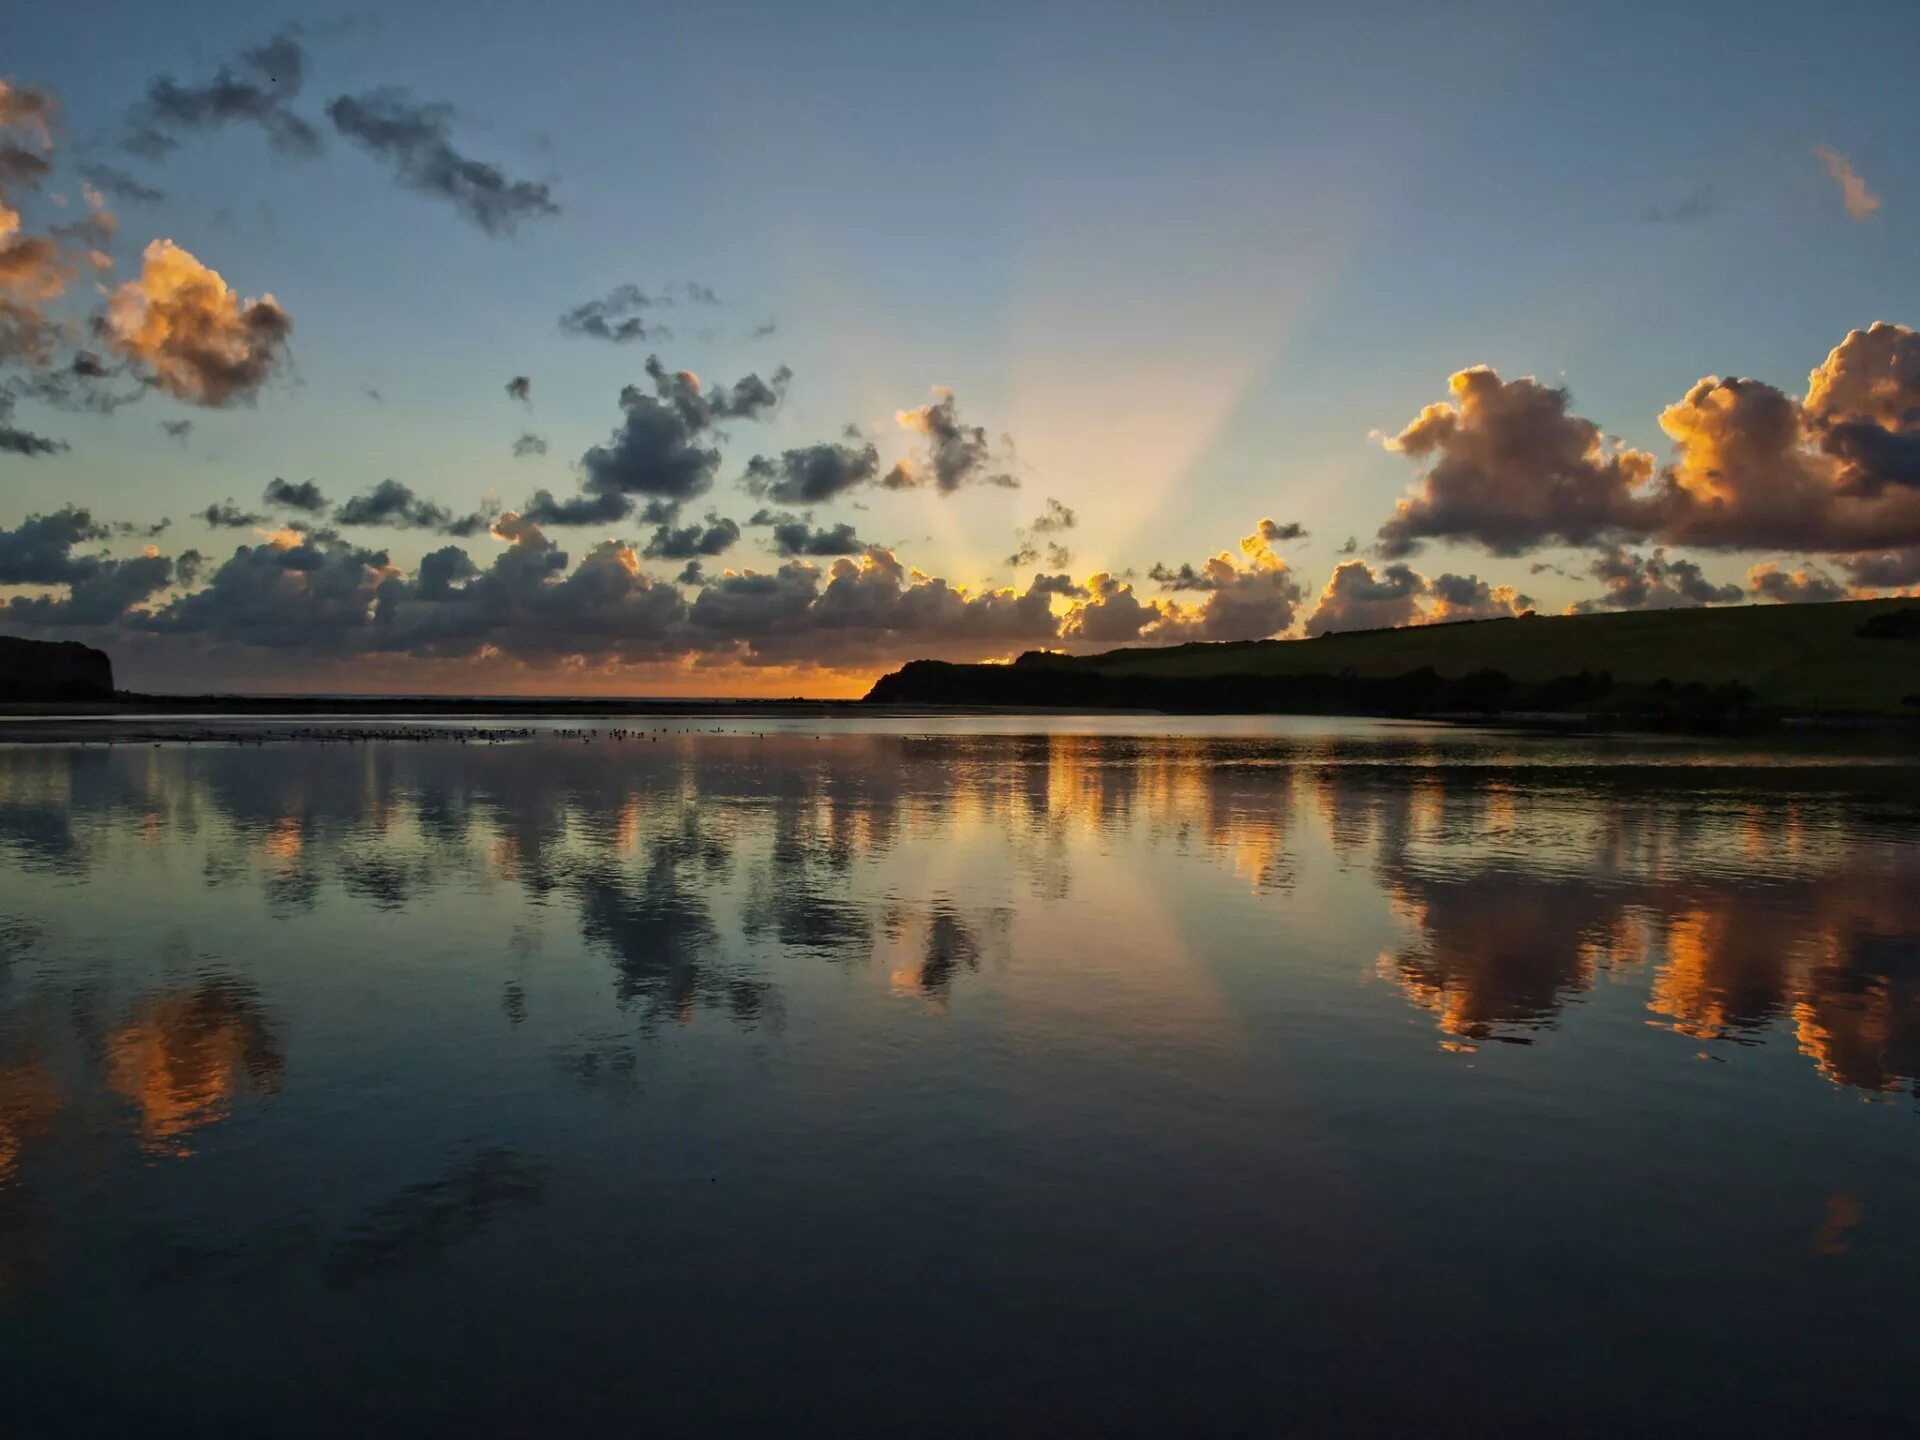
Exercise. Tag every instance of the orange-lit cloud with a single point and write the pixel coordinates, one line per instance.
(198, 339)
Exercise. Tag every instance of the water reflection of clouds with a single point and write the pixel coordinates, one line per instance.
(699, 867)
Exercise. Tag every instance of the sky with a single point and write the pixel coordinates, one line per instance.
(755, 349)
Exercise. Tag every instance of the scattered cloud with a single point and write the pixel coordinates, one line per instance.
(957, 454)
(196, 338)
(1770, 582)
(1033, 543)
(1862, 204)
(303, 495)
(812, 474)
(177, 429)
(618, 317)
(528, 445)
(413, 138)
(394, 505)
(255, 89)
(1356, 598)
(129, 189)
(520, 388)
(717, 536)
(796, 537)
(1651, 582)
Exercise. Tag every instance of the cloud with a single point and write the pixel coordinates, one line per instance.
(812, 474)
(1356, 598)
(25, 443)
(304, 495)
(225, 515)
(1862, 204)
(254, 90)
(1698, 204)
(395, 505)
(413, 139)
(100, 589)
(1753, 467)
(520, 388)
(1513, 468)
(196, 338)
(957, 455)
(717, 536)
(616, 317)
(122, 186)
(177, 429)
(528, 445)
(34, 269)
(656, 453)
(1056, 519)
(1111, 614)
(1884, 569)
(1468, 597)
(1651, 582)
(1770, 582)
(796, 537)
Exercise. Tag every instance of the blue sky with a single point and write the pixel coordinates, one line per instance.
(1193, 261)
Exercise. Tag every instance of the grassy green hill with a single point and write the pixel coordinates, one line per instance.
(1793, 657)
(1704, 666)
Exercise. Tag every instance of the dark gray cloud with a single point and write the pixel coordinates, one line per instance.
(119, 185)
(520, 388)
(1061, 585)
(1884, 569)
(177, 429)
(394, 505)
(225, 515)
(16, 441)
(1698, 204)
(413, 138)
(717, 536)
(100, 589)
(529, 445)
(1468, 597)
(303, 495)
(1032, 539)
(618, 317)
(1356, 598)
(1770, 582)
(957, 454)
(255, 89)
(812, 474)
(656, 455)
(1651, 582)
(796, 537)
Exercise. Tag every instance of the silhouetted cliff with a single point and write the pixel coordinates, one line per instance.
(53, 670)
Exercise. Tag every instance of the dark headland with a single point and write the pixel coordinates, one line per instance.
(1706, 667)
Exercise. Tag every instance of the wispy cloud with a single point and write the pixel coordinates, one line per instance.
(1861, 202)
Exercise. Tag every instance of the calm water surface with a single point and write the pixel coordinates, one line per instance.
(1241, 1077)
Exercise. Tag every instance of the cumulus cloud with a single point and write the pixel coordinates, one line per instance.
(657, 454)
(1884, 569)
(1862, 204)
(1770, 582)
(1753, 467)
(195, 337)
(414, 140)
(796, 537)
(520, 388)
(40, 551)
(394, 505)
(529, 445)
(255, 89)
(1511, 468)
(957, 454)
(225, 515)
(1033, 541)
(34, 269)
(1111, 614)
(686, 542)
(1356, 598)
(812, 474)
(1651, 582)
(1468, 597)
(303, 495)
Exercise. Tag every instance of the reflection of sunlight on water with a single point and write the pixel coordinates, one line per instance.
(183, 1057)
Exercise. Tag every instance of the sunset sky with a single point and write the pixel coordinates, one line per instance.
(750, 349)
